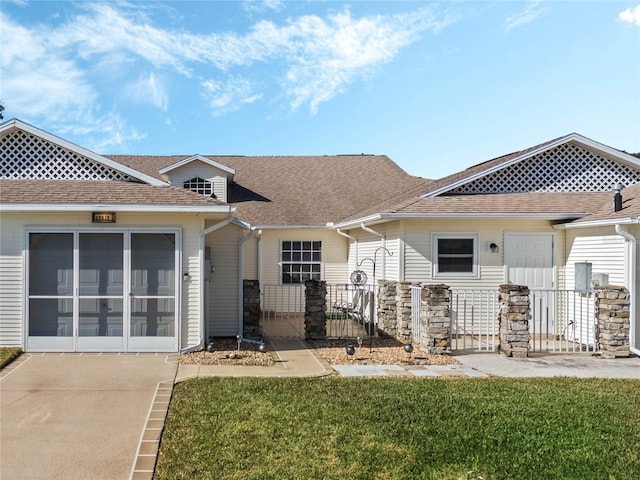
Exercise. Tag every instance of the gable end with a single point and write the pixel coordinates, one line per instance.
(565, 168)
(27, 156)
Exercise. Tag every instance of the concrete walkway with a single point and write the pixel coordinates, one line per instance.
(83, 416)
(579, 365)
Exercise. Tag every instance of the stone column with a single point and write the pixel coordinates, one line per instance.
(403, 310)
(514, 319)
(251, 309)
(387, 317)
(315, 312)
(612, 314)
(435, 319)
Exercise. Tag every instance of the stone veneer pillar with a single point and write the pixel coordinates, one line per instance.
(251, 309)
(315, 311)
(403, 311)
(612, 314)
(514, 321)
(435, 319)
(387, 317)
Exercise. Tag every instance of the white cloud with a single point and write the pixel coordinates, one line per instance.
(225, 97)
(532, 12)
(631, 16)
(149, 89)
(64, 71)
(262, 5)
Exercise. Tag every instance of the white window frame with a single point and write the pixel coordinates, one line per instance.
(200, 185)
(282, 262)
(436, 273)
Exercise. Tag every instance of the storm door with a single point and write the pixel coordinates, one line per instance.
(101, 292)
(153, 291)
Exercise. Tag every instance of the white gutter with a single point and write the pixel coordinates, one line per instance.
(86, 207)
(367, 229)
(355, 241)
(384, 217)
(340, 232)
(259, 256)
(241, 243)
(631, 282)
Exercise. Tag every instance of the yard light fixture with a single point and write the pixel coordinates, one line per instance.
(408, 348)
(262, 348)
(351, 350)
(239, 339)
(359, 340)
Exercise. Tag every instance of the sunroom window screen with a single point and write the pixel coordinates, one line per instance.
(455, 255)
(301, 261)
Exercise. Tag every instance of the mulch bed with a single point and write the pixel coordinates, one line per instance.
(383, 351)
(227, 353)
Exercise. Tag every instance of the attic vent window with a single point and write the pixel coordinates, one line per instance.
(200, 185)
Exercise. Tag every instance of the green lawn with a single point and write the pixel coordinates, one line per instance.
(342, 428)
(8, 355)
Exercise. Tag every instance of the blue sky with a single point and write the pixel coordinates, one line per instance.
(436, 86)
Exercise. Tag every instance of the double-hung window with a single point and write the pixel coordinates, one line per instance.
(300, 261)
(455, 254)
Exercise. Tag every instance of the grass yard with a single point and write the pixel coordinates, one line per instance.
(8, 355)
(345, 428)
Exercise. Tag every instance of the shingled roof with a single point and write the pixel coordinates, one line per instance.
(102, 192)
(302, 190)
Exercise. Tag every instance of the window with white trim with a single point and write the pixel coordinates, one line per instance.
(300, 261)
(200, 185)
(455, 254)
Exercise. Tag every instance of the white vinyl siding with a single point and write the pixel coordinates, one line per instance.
(418, 248)
(198, 169)
(604, 249)
(11, 278)
(334, 254)
(12, 263)
(224, 286)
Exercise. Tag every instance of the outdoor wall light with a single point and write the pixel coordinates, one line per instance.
(493, 247)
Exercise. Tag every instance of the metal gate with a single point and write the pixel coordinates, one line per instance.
(474, 319)
(350, 311)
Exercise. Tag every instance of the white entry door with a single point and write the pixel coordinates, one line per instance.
(528, 261)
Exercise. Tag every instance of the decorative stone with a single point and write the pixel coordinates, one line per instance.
(612, 312)
(513, 321)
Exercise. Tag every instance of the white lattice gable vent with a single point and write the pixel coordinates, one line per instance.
(24, 155)
(565, 168)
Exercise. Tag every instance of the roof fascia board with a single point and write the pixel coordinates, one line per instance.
(598, 223)
(15, 123)
(572, 137)
(292, 227)
(200, 158)
(408, 216)
(171, 208)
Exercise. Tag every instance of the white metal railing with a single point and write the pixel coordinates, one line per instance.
(562, 321)
(416, 302)
(474, 319)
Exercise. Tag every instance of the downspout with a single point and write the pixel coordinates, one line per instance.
(384, 244)
(632, 242)
(355, 241)
(241, 243)
(259, 256)
(201, 245)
